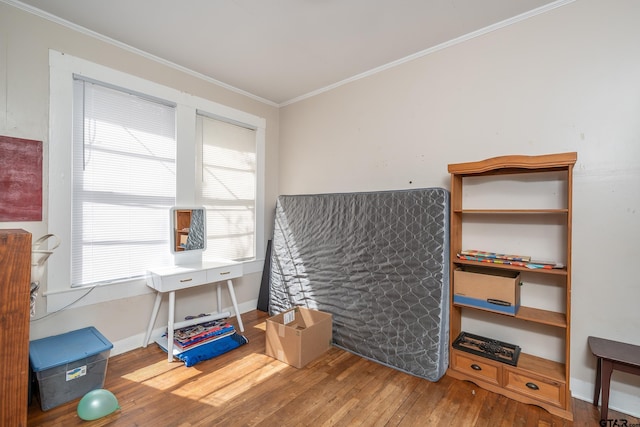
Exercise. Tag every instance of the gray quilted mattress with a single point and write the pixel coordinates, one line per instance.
(378, 262)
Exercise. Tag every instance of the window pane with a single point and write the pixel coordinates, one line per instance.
(228, 188)
(124, 183)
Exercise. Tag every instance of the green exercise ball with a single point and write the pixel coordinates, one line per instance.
(97, 404)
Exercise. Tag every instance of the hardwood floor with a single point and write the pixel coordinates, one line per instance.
(245, 387)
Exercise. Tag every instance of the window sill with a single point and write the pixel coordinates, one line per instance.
(58, 300)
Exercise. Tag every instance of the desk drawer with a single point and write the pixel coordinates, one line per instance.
(224, 273)
(476, 367)
(537, 387)
(179, 281)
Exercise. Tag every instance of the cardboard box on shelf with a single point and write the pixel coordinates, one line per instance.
(298, 336)
(492, 290)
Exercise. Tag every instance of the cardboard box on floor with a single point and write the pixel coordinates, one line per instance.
(298, 336)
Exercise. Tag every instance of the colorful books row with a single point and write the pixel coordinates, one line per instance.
(180, 347)
(532, 264)
(203, 340)
(495, 255)
(191, 332)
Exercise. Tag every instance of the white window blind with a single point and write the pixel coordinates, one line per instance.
(228, 187)
(124, 182)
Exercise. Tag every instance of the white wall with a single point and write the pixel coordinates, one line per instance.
(567, 80)
(25, 40)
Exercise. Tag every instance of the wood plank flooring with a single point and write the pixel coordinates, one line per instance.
(247, 388)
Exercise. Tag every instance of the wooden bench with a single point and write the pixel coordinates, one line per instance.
(611, 355)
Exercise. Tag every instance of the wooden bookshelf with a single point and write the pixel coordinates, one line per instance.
(534, 380)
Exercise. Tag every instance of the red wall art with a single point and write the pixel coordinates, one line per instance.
(20, 179)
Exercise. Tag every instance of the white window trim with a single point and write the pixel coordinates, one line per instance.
(62, 68)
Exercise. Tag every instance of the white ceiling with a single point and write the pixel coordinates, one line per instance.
(284, 50)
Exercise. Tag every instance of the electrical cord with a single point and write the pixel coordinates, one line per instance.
(66, 306)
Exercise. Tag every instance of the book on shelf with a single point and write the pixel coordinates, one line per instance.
(495, 255)
(194, 331)
(545, 264)
(548, 265)
(201, 333)
(196, 343)
(492, 260)
(204, 336)
(162, 343)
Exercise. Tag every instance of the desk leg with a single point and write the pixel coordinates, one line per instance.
(170, 322)
(607, 369)
(232, 294)
(152, 320)
(219, 297)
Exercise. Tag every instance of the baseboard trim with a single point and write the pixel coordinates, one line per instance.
(618, 401)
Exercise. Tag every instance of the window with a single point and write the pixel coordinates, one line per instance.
(124, 182)
(136, 153)
(228, 187)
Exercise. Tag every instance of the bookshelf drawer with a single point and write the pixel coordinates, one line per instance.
(537, 387)
(477, 367)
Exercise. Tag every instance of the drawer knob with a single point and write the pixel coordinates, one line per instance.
(185, 280)
(532, 386)
(225, 273)
(476, 367)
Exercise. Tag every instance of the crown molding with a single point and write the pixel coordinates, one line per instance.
(124, 46)
(441, 46)
(507, 22)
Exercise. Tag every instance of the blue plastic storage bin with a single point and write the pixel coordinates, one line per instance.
(69, 365)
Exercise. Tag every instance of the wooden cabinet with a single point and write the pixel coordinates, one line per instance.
(542, 186)
(15, 278)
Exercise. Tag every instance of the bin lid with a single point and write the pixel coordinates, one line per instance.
(50, 352)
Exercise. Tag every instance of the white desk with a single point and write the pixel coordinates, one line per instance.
(177, 277)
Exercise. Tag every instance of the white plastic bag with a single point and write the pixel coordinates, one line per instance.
(39, 258)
